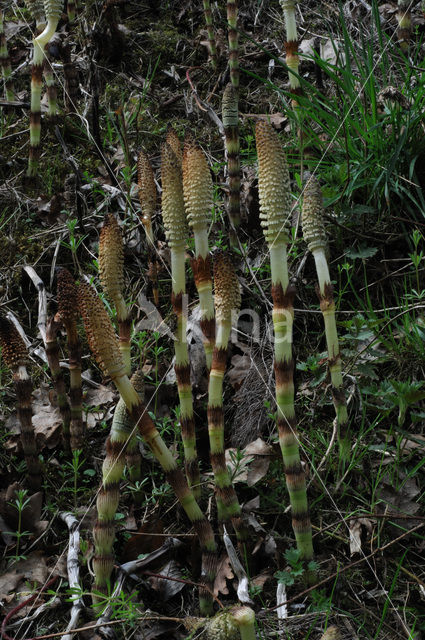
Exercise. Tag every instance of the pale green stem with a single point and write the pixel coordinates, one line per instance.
(200, 233)
(279, 263)
(332, 344)
(245, 620)
(178, 272)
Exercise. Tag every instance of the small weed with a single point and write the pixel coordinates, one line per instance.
(296, 568)
(21, 501)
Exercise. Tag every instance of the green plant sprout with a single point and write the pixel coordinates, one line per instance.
(416, 258)
(21, 501)
(296, 568)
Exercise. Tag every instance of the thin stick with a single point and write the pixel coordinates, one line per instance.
(42, 301)
(72, 564)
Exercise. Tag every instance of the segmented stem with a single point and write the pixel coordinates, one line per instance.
(52, 352)
(104, 346)
(133, 456)
(53, 10)
(176, 231)
(275, 207)
(108, 497)
(227, 300)
(36, 9)
(232, 19)
(210, 31)
(291, 48)
(244, 618)
(237, 622)
(70, 10)
(15, 356)
(52, 93)
(111, 271)
(315, 236)
(147, 197)
(231, 131)
(5, 62)
(197, 189)
(68, 313)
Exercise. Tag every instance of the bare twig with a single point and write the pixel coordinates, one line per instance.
(73, 571)
(42, 300)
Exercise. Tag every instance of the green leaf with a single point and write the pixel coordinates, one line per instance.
(293, 556)
(284, 577)
(362, 252)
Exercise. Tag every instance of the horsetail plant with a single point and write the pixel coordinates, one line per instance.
(275, 214)
(36, 9)
(233, 38)
(231, 132)
(15, 356)
(315, 237)
(71, 10)
(68, 313)
(174, 218)
(111, 271)
(210, 32)
(53, 12)
(237, 622)
(227, 299)
(5, 62)
(244, 618)
(104, 345)
(173, 141)
(133, 457)
(147, 198)
(53, 327)
(197, 191)
(291, 48)
(117, 444)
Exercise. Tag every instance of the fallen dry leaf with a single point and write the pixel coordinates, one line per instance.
(168, 588)
(224, 573)
(8, 582)
(397, 494)
(153, 320)
(355, 528)
(33, 568)
(99, 396)
(332, 633)
(30, 514)
(257, 470)
(262, 578)
(46, 421)
(254, 463)
(276, 119)
(238, 370)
